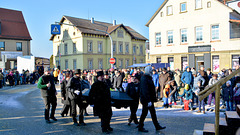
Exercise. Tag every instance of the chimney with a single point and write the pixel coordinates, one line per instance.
(114, 22)
(92, 20)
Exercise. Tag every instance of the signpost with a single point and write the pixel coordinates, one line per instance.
(55, 29)
(112, 61)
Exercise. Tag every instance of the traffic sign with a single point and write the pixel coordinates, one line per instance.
(55, 29)
(112, 60)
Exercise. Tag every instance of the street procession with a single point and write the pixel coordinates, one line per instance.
(162, 67)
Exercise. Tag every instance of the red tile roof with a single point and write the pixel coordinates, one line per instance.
(13, 25)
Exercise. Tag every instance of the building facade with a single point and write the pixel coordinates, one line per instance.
(14, 37)
(194, 33)
(82, 45)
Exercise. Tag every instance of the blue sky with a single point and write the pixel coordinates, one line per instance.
(40, 14)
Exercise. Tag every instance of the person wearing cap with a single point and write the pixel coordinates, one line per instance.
(187, 96)
(147, 98)
(132, 91)
(212, 81)
(64, 95)
(48, 93)
(187, 77)
(228, 96)
(74, 87)
(100, 100)
(204, 75)
(164, 78)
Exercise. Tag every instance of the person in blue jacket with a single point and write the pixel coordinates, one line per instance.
(187, 77)
(155, 77)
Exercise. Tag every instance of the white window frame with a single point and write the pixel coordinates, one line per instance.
(127, 48)
(120, 47)
(215, 32)
(74, 48)
(181, 8)
(90, 64)
(90, 46)
(100, 47)
(134, 49)
(198, 4)
(127, 63)
(199, 32)
(169, 36)
(66, 64)
(120, 33)
(158, 38)
(65, 48)
(170, 10)
(17, 48)
(100, 63)
(183, 39)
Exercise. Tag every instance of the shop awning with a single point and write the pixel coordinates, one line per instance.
(140, 65)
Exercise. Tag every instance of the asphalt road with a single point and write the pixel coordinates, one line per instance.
(21, 113)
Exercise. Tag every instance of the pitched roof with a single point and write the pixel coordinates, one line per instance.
(13, 25)
(164, 3)
(85, 26)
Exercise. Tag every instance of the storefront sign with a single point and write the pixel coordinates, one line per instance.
(205, 48)
(11, 55)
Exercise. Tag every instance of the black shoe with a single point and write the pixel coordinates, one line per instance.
(75, 124)
(53, 118)
(136, 122)
(105, 131)
(62, 115)
(160, 128)
(82, 124)
(142, 130)
(48, 121)
(129, 121)
(110, 129)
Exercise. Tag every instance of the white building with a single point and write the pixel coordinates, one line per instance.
(194, 33)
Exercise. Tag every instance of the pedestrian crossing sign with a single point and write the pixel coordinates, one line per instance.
(55, 29)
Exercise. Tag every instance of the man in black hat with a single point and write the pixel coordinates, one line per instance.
(107, 80)
(74, 88)
(100, 99)
(48, 92)
(133, 91)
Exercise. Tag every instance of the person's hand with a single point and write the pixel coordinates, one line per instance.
(48, 85)
(77, 92)
(149, 104)
(156, 88)
(62, 98)
(190, 100)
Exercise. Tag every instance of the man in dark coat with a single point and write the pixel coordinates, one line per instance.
(118, 80)
(64, 95)
(48, 92)
(204, 75)
(148, 97)
(100, 99)
(74, 88)
(164, 78)
(107, 80)
(133, 91)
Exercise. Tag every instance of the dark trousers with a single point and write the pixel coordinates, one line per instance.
(1, 83)
(65, 109)
(152, 110)
(105, 117)
(50, 100)
(133, 109)
(74, 104)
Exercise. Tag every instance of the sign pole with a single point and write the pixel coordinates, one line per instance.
(217, 105)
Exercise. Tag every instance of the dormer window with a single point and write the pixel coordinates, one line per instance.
(120, 33)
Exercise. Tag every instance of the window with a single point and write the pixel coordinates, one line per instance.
(141, 49)
(120, 33)
(90, 46)
(215, 32)
(74, 48)
(215, 63)
(141, 61)
(134, 49)
(120, 63)
(171, 62)
(170, 37)
(90, 64)
(74, 64)
(183, 35)
(184, 63)
(158, 38)
(209, 4)
(235, 61)
(120, 47)
(57, 63)
(127, 48)
(59, 50)
(65, 49)
(114, 46)
(66, 64)
(19, 46)
(134, 60)
(100, 47)
(183, 7)
(169, 10)
(100, 64)
(127, 64)
(2, 46)
(161, 14)
(159, 60)
(199, 34)
(198, 4)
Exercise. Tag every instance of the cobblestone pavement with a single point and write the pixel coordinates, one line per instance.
(21, 113)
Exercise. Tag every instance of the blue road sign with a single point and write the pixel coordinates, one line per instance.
(55, 29)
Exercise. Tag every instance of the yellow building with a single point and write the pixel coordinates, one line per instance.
(194, 33)
(81, 45)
